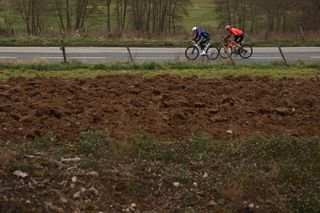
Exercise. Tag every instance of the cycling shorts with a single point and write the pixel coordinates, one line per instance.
(238, 39)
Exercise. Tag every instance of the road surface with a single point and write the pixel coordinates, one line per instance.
(261, 55)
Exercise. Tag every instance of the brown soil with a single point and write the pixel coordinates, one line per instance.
(168, 107)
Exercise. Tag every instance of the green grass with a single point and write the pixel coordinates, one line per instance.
(91, 41)
(201, 14)
(134, 42)
(75, 70)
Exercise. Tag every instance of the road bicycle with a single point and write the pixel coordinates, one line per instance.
(230, 48)
(193, 52)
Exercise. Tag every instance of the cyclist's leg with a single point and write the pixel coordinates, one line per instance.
(241, 39)
(201, 43)
(205, 43)
(238, 40)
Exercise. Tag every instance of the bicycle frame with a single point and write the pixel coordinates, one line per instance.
(241, 50)
(211, 52)
(199, 48)
(231, 45)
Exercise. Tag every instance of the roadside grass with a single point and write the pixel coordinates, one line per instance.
(91, 41)
(182, 41)
(278, 174)
(77, 70)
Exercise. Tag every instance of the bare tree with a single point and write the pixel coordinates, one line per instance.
(108, 4)
(31, 12)
(269, 16)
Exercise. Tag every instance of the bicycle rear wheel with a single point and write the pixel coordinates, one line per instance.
(246, 51)
(192, 53)
(213, 53)
(225, 51)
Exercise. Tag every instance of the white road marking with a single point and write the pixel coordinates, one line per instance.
(75, 57)
(7, 57)
(315, 57)
(265, 57)
(154, 58)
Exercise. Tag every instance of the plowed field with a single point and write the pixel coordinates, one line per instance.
(168, 107)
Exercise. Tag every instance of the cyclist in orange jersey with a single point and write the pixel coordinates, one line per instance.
(236, 33)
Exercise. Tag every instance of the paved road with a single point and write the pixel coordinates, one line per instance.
(101, 54)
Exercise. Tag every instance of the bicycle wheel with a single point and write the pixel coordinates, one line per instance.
(246, 51)
(213, 53)
(192, 53)
(225, 51)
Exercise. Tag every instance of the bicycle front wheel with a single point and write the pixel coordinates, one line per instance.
(246, 51)
(225, 52)
(192, 53)
(213, 53)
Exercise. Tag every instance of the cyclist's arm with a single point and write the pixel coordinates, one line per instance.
(226, 38)
(197, 38)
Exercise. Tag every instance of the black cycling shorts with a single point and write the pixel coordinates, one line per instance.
(238, 39)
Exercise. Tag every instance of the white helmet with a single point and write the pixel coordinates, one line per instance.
(194, 29)
(227, 27)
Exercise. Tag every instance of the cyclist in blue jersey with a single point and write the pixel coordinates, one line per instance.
(202, 37)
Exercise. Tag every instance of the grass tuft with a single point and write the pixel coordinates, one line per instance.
(146, 146)
(95, 143)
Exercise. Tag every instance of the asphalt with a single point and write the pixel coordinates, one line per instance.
(263, 55)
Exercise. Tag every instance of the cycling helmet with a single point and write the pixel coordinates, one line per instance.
(194, 29)
(227, 27)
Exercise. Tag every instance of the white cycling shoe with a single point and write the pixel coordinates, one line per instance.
(203, 53)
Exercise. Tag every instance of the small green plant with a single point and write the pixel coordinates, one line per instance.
(188, 198)
(146, 146)
(43, 142)
(309, 201)
(22, 166)
(95, 143)
(199, 146)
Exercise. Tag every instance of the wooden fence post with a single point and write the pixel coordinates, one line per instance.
(130, 55)
(63, 48)
(284, 59)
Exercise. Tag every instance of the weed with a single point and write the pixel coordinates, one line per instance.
(309, 201)
(44, 142)
(60, 153)
(24, 167)
(199, 146)
(188, 198)
(145, 146)
(95, 143)
(185, 178)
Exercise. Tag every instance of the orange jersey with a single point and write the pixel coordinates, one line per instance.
(236, 32)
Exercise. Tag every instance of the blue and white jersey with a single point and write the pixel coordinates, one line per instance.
(202, 34)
